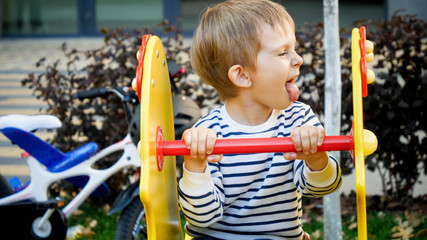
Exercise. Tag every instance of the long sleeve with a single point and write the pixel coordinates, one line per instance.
(200, 199)
(317, 183)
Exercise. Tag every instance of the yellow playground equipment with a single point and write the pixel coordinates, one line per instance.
(158, 184)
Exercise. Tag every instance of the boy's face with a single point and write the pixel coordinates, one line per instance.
(277, 67)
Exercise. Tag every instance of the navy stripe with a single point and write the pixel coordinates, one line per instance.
(242, 185)
(195, 233)
(282, 125)
(220, 189)
(214, 168)
(267, 196)
(248, 134)
(244, 174)
(261, 214)
(196, 197)
(238, 233)
(242, 154)
(290, 116)
(255, 162)
(281, 174)
(258, 189)
(296, 105)
(293, 113)
(264, 205)
(200, 213)
(303, 180)
(202, 222)
(308, 119)
(241, 233)
(282, 134)
(282, 163)
(262, 179)
(210, 126)
(324, 189)
(308, 111)
(239, 164)
(258, 223)
(293, 123)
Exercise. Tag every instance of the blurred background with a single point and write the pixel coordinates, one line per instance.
(27, 18)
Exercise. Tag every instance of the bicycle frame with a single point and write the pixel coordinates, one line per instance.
(41, 178)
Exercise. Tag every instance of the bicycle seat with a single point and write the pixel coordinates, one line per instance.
(48, 155)
(54, 159)
(75, 157)
(30, 122)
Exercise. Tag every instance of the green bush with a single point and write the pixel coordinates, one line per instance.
(396, 103)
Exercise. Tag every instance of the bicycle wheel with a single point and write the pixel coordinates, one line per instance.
(55, 228)
(131, 224)
(22, 221)
(5, 189)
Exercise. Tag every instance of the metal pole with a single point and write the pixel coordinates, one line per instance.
(331, 203)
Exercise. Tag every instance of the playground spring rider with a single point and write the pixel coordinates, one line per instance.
(158, 183)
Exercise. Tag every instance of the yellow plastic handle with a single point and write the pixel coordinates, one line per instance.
(158, 189)
(365, 142)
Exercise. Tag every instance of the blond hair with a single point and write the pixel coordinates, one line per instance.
(229, 34)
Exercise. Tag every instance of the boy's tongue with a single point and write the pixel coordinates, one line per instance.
(293, 91)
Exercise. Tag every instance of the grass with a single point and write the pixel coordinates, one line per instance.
(96, 225)
(93, 223)
(381, 225)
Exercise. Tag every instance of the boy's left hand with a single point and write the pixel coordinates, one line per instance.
(306, 139)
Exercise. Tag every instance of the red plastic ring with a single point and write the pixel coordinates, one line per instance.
(159, 148)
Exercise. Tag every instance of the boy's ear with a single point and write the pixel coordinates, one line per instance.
(239, 76)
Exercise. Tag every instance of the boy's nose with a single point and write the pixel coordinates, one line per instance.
(297, 60)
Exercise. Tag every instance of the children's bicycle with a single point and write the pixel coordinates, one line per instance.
(28, 212)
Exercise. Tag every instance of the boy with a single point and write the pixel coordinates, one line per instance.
(246, 50)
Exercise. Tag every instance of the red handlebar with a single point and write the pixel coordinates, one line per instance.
(257, 145)
(249, 145)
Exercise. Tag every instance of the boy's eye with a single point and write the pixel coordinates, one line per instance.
(283, 53)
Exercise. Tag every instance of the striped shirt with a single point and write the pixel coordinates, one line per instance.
(254, 196)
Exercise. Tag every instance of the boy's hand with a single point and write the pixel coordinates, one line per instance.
(306, 139)
(201, 142)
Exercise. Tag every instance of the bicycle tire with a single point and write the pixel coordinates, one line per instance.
(132, 224)
(19, 219)
(59, 225)
(5, 189)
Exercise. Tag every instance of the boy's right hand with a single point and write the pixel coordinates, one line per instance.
(201, 142)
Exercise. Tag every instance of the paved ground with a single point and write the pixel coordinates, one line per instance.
(17, 58)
